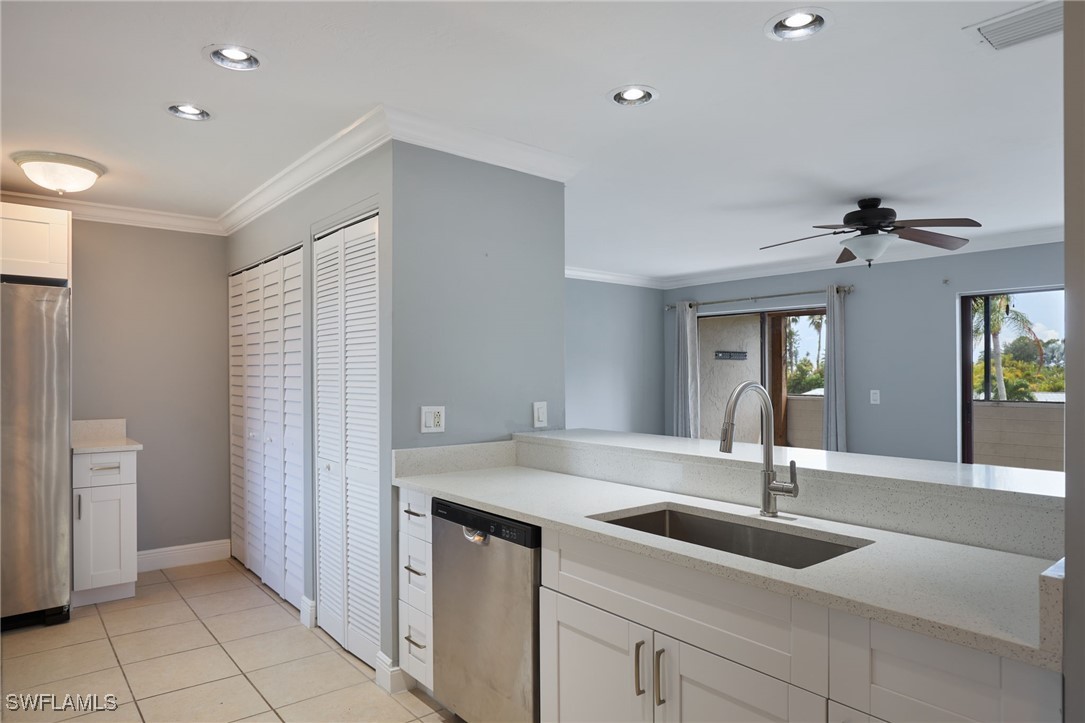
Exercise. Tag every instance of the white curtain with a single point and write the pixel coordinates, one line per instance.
(687, 391)
(834, 437)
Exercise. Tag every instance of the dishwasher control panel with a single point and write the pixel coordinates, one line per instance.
(497, 527)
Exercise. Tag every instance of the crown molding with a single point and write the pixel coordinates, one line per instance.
(610, 277)
(360, 138)
(123, 215)
(466, 143)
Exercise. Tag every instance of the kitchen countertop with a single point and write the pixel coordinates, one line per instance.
(92, 436)
(981, 598)
(94, 446)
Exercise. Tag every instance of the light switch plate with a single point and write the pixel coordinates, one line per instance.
(433, 420)
(538, 414)
(875, 396)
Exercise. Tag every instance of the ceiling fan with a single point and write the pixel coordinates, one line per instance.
(878, 226)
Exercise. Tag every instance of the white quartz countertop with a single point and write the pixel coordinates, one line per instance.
(95, 446)
(1034, 483)
(981, 598)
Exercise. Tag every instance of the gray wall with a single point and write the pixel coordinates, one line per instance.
(613, 357)
(478, 269)
(150, 344)
(901, 337)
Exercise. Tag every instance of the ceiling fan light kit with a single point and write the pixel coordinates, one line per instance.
(868, 246)
(59, 172)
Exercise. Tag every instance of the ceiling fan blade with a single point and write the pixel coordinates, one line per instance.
(941, 240)
(936, 222)
(845, 256)
(839, 225)
(784, 243)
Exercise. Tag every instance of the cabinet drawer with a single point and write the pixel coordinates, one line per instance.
(414, 572)
(415, 639)
(414, 516)
(103, 469)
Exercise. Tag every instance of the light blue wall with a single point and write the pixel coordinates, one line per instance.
(613, 357)
(901, 337)
(479, 273)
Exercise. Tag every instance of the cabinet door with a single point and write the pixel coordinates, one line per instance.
(103, 536)
(593, 666)
(36, 241)
(700, 686)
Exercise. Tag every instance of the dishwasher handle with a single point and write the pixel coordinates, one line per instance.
(475, 537)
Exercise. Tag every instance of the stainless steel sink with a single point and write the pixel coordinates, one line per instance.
(777, 547)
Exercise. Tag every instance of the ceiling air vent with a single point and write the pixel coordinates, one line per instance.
(1027, 23)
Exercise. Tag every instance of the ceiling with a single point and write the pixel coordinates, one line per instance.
(750, 141)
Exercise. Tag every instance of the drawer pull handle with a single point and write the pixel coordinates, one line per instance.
(103, 467)
(411, 570)
(637, 690)
(411, 513)
(656, 676)
(418, 645)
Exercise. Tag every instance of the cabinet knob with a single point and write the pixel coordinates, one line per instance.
(328, 467)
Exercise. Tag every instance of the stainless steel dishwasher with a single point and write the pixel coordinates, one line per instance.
(485, 614)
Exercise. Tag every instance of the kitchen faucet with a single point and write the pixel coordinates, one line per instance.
(770, 488)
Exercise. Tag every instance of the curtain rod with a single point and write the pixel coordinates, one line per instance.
(844, 289)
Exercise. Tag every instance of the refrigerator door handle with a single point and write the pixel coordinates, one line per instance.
(79, 507)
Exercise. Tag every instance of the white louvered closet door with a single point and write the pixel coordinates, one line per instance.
(362, 442)
(271, 359)
(254, 420)
(347, 438)
(293, 433)
(237, 416)
(328, 434)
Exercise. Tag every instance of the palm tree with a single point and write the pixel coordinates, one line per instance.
(818, 322)
(791, 351)
(1002, 313)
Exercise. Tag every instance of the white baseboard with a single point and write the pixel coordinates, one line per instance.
(147, 560)
(308, 612)
(103, 594)
(392, 678)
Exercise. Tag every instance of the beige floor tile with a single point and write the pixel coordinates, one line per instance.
(290, 609)
(229, 699)
(100, 684)
(119, 622)
(51, 665)
(242, 624)
(231, 601)
(417, 702)
(361, 703)
(161, 592)
(329, 640)
(84, 611)
(151, 577)
(279, 646)
(266, 717)
(441, 716)
(181, 670)
(127, 713)
(24, 641)
(297, 680)
(157, 642)
(359, 664)
(204, 568)
(207, 584)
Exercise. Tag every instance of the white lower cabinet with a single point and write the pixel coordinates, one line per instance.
(597, 666)
(415, 650)
(103, 536)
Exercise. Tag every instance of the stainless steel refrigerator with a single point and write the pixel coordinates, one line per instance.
(35, 454)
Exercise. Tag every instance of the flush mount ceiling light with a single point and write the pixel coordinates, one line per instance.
(869, 246)
(797, 24)
(232, 57)
(188, 111)
(633, 95)
(58, 171)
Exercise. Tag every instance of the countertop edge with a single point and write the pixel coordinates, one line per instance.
(99, 446)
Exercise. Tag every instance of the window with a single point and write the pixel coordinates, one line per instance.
(1013, 379)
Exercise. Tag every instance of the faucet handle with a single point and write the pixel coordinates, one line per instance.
(786, 489)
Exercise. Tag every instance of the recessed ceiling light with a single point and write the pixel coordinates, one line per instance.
(189, 112)
(633, 95)
(232, 57)
(58, 171)
(797, 24)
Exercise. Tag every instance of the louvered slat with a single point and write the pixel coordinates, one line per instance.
(236, 292)
(293, 431)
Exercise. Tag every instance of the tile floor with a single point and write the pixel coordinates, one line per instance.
(200, 643)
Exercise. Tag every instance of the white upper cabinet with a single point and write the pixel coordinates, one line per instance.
(35, 242)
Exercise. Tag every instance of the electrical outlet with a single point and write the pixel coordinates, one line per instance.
(433, 420)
